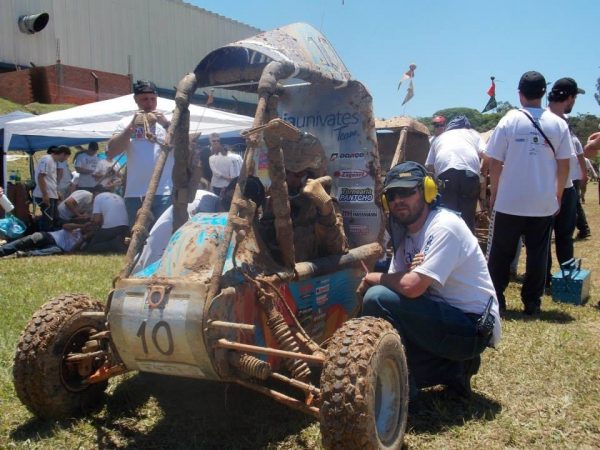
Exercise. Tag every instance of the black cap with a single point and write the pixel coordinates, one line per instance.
(566, 87)
(532, 85)
(144, 87)
(404, 175)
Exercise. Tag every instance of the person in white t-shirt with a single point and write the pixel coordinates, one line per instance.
(45, 243)
(222, 165)
(438, 292)
(45, 194)
(108, 173)
(528, 173)
(64, 177)
(76, 207)
(439, 126)
(455, 158)
(85, 164)
(110, 224)
(141, 142)
(163, 228)
(561, 100)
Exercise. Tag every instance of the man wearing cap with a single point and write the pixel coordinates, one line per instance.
(141, 137)
(455, 158)
(561, 100)
(438, 292)
(529, 155)
(439, 125)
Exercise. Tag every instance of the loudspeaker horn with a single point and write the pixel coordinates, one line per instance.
(33, 23)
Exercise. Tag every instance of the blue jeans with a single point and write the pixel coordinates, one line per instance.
(36, 244)
(47, 220)
(437, 337)
(159, 206)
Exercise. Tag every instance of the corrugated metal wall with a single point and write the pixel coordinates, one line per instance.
(163, 38)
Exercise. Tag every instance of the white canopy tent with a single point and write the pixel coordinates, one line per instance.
(97, 122)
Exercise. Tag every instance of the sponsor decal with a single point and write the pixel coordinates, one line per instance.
(322, 289)
(347, 155)
(361, 230)
(350, 213)
(359, 194)
(322, 299)
(350, 174)
(337, 119)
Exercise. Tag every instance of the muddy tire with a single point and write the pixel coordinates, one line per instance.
(46, 385)
(364, 387)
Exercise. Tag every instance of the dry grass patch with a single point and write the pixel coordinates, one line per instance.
(540, 389)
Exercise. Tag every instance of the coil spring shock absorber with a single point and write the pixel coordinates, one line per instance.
(254, 367)
(282, 333)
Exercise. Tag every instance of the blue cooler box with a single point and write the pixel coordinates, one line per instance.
(571, 284)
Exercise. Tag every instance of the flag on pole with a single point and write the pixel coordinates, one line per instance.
(409, 93)
(491, 104)
(408, 75)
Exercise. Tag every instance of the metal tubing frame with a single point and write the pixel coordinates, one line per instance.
(225, 343)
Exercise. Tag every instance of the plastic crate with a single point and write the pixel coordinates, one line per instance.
(571, 284)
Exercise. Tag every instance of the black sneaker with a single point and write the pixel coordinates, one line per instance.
(583, 235)
(532, 310)
(461, 384)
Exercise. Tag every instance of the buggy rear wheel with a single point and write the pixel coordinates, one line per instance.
(364, 387)
(46, 384)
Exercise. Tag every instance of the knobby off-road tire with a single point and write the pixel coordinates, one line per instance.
(46, 385)
(364, 387)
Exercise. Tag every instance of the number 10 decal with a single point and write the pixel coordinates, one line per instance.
(141, 333)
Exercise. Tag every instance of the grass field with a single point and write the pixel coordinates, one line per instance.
(540, 389)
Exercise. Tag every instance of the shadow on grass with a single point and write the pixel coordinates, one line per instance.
(553, 316)
(192, 414)
(440, 409)
(38, 429)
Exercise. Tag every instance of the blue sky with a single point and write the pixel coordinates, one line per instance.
(456, 46)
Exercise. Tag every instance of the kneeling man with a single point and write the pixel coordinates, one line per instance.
(438, 292)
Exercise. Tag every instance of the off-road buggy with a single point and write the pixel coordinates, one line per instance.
(217, 305)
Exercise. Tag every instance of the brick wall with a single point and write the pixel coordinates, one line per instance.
(68, 84)
(16, 86)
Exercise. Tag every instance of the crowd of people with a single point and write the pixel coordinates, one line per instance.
(441, 293)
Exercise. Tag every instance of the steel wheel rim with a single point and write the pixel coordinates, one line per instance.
(388, 400)
(69, 376)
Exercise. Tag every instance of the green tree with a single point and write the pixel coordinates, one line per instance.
(583, 125)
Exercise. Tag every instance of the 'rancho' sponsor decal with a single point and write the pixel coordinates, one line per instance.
(355, 194)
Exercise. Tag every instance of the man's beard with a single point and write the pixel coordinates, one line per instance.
(412, 217)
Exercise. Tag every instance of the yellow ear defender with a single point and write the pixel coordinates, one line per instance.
(430, 192)
(384, 203)
(430, 189)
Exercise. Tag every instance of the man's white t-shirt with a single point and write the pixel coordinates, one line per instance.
(163, 228)
(66, 177)
(222, 167)
(141, 158)
(102, 175)
(237, 164)
(84, 203)
(458, 149)
(112, 208)
(574, 168)
(454, 260)
(66, 240)
(47, 166)
(88, 162)
(527, 185)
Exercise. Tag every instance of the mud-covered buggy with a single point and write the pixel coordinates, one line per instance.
(217, 305)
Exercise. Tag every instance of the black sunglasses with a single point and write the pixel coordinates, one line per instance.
(400, 192)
